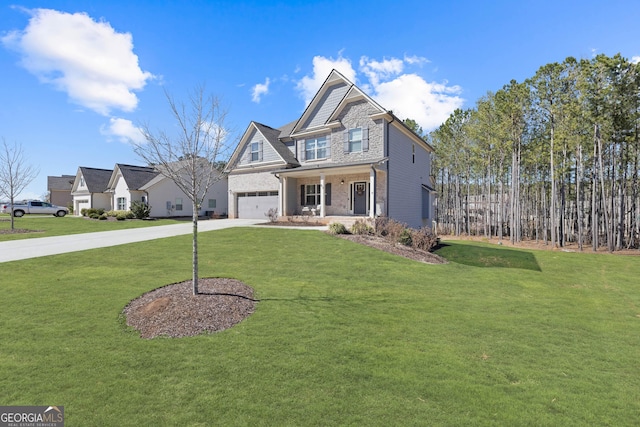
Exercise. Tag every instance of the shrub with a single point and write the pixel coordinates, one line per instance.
(389, 228)
(94, 213)
(129, 215)
(337, 228)
(103, 217)
(121, 216)
(83, 212)
(140, 210)
(424, 239)
(361, 227)
(272, 214)
(405, 237)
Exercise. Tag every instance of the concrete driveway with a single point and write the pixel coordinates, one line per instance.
(32, 248)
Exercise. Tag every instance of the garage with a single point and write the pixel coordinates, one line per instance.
(256, 205)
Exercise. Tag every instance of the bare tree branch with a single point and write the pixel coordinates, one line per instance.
(15, 173)
(192, 156)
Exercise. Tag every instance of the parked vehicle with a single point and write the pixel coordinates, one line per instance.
(34, 207)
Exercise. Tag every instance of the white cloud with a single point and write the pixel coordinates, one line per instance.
(376, 70)
(260, 89)
(635, 59)
(308, 86)
(408, 94)
(89, 60)
(123, 130)
(415, 60)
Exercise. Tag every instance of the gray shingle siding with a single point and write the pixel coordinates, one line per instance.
(326, 105)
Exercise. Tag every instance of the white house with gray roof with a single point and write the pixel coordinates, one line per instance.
(118, 188)
(345, 156)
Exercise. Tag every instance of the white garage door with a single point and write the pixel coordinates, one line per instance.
(257, 205)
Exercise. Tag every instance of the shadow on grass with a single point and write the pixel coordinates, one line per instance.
(482, 256)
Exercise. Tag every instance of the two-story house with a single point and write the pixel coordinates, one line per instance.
(346, 156)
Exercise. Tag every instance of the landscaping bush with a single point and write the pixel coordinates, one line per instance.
(93, 212)
(337, 228)
(121, 216)
(424, 239)
(389, 228)
(103, 217)
(83, 212)
(140, 210)
(362, 228)
(405, 237)
(272, 214)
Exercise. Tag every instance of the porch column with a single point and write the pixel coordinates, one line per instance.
(372, 193)
(281, 195)
(322, 197)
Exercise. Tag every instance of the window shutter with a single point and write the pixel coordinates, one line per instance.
(260, 151)
(328, 150)
(302, 149)
(365, 139)
(302, 195)
(327, 194)
(345, 137)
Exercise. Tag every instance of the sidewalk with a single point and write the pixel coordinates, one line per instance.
(15, 250)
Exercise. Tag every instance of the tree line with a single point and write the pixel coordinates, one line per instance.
(553, 159)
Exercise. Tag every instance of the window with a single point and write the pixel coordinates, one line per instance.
(316, 148)
(356, 140)
(310, 195)
(82, 181)
(178, 203)
(212, 203)
(413, 153)
(256, 151)
(121, 202)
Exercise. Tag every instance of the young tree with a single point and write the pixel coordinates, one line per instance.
(194, 157)
(15, 173)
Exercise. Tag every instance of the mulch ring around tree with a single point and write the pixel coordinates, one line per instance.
(173, 311)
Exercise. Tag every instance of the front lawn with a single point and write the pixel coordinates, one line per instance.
(343, 335)
(33, 226)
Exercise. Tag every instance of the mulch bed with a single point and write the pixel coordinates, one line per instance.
(173, 310)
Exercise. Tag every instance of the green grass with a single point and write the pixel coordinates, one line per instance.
(343, 335)
(48, 225)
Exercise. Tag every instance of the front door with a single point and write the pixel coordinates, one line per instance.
(359, 198)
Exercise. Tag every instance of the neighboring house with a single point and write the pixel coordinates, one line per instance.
(89, 189)
(345, 156)
(127, 183)
(59, 188)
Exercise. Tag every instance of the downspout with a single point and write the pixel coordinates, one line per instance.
(386, 142)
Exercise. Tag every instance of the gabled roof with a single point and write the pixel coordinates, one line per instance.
(134, 176)
(96, 180)
(272, 137)
(60, 183)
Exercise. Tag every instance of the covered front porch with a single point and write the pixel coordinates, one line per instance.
(322, 191)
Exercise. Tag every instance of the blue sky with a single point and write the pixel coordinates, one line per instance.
(78, 77)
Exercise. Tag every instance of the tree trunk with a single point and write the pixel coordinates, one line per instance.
(195, 247)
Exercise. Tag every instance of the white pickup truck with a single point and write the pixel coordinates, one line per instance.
(34, 207)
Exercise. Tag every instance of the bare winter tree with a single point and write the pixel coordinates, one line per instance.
(15, 173)
(193, 156)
